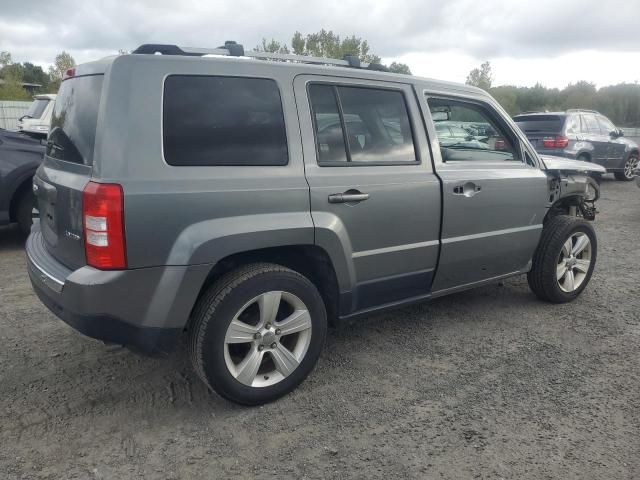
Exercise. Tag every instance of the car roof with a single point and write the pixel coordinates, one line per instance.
(102, 65)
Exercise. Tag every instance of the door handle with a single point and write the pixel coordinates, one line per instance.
(350, 196)
(469, 189)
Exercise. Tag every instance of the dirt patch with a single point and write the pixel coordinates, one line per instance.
(489, 383)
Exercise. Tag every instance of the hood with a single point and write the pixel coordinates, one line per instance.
(559, 163)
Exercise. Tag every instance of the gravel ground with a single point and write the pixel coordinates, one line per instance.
(489, 383)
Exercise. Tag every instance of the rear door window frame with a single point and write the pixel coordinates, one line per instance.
(349, 163)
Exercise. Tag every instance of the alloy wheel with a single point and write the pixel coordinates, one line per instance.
(267, 339)
(630, 167)
(573, 262)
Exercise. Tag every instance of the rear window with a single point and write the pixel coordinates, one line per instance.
(215, 120)
(540, 123)
(36, 109)
(73, 124)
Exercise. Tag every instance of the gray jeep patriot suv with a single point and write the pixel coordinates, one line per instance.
(248, 198)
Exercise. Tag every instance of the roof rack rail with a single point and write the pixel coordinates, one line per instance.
(233, 49)
(582, 110)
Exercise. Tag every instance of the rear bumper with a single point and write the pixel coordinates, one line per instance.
(145, 309)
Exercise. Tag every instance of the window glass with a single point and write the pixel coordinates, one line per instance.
(606, 127)
(36, 109)
(470, 132)
(329, 135)
(540, 123)
(214, 120)
(573, 124)
(75, 116)
(590, 124)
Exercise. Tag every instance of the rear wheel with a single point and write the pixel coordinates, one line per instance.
(564, 260)
(24, 212)
(629, 170)
(257, 333)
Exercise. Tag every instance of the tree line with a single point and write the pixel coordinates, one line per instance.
(15, 74)
(621, 103)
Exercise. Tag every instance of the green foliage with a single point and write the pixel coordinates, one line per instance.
(481, 77)
(621, 103)
(328, 44)
(396, 67)
(5, 59)
(12, 90)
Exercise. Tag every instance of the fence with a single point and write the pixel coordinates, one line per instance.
(10, 112)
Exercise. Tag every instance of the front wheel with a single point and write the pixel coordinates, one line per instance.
(257, 333)
(564, 260)
(629, 170)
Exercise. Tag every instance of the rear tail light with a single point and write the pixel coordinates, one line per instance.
(559, 141)
(69, 73)
(103, 225)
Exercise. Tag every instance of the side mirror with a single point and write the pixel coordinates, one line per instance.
(620, 132)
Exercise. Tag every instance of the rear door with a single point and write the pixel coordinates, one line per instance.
(494, 199)
(67, 168)
(591, 133)
(374, 196)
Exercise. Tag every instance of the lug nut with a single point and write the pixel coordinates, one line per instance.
(260, 348)
(278, 331)
(257, 335)
(273, 345)
(267, 326)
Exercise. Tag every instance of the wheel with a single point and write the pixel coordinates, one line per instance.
(24, 212)
(629, 171)
(257, 333)
(564, 260)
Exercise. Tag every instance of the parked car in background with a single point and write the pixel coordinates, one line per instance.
(259, 200)
(38, 118)
(20, 156)
(450, 135)
(581, 135)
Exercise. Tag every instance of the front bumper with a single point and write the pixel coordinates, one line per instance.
(145, 309)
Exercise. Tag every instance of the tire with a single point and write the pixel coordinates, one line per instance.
(629, 170)
(24, 212)
(551, 259)
(218, 351)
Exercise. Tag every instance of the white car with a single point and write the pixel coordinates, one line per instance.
(38, 118)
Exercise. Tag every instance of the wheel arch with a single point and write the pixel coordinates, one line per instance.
(23, 186)
(309, 260)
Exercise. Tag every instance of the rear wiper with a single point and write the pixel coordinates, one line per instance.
(55, 146)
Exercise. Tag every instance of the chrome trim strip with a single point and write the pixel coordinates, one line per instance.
(49, 280)
(506, 231)
(396, 248)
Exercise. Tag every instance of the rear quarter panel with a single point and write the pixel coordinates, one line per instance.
(194, 215)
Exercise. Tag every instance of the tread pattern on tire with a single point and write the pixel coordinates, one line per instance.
(542, 267)
(209, 301)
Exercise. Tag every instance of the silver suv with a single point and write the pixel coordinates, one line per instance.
(249, 198)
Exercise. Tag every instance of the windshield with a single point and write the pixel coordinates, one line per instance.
(75, 115)
(540, 123)
(36, 109)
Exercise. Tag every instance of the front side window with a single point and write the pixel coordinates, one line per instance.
(358, 124)
(606, 126)
(214, 121)
(590, 124)
(467, 131)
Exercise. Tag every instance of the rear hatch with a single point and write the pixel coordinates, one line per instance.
(537, 127)
(67, 168)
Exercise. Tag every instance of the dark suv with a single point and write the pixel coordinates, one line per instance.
(581, 135)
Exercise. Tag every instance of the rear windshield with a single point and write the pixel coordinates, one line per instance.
(73, 125)
(37, 108)
(541, 123)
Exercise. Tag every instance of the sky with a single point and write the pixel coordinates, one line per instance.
(553, 42)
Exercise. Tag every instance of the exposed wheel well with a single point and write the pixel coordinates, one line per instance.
(310, 260)
(635, 151)
(23, 188)
(584, 155)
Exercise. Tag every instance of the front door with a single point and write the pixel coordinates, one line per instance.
(374, 196)
(494, 196)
